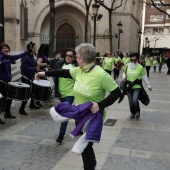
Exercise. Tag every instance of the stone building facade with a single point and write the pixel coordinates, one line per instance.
(29, 20)
(157, 29)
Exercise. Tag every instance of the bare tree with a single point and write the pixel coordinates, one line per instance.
(110, 10)
(52, 28)
(87, 5)
(159, 6)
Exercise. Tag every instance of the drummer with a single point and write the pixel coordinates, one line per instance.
(42, 58)
(6, 76)
(28, 69)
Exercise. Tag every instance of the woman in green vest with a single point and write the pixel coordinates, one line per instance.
(125, 61)
(108, 63)
(65, 86)
(154, 62)
(148, 63)
(91, 85)
(134, 75)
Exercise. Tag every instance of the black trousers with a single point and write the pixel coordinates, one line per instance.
(147, 70)
(88, 157)
(6, 103)
(168, 65)
(23, 104)
(116, 73)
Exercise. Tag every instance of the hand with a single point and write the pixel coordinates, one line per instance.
(39, 74)
(94, 108)
(150, 88)
(37, 68)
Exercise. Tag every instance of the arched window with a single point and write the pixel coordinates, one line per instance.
(65, 37)
(23, 20)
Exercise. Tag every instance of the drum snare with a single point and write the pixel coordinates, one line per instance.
(1, 100)
(18, 91)
(41, 90)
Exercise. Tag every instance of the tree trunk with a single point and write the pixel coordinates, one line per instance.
(52, 28)
(86, 27)
(110, 30)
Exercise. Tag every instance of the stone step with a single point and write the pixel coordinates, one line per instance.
(16, 78)
(15, 71)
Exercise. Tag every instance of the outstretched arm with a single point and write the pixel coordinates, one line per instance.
(65, 73)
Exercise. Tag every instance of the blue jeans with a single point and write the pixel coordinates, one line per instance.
(160, 67)
(63, 126)
(133, 96)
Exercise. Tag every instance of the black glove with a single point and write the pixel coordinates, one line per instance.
(121, 97)
(48, 62)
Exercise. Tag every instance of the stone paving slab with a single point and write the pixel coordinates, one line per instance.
(28, 143)
(146, 140)
(120, 162)
(21, 155)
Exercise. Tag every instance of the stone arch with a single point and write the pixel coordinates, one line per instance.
(71, 21)
(45, 11)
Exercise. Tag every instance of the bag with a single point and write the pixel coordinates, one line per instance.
(144, 98)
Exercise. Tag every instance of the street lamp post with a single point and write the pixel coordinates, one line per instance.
(147, 44)
(95, 8)
(139, 33)
(119, 25)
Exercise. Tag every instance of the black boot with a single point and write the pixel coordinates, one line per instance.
(38, 104)
(60, 138)
(8, 115)
(2, 122)
(32, 105)
(23, 112)
(22, 108)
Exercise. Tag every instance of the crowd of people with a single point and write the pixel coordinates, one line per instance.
(79, 79)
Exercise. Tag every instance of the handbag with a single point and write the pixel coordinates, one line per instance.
(144, 98)
(122, 85)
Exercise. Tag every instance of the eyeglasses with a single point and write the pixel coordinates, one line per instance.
(70, 56)
(133, 60)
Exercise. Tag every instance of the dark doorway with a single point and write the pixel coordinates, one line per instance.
(65, 38)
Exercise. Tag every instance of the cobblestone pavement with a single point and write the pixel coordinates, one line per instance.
(28, 143)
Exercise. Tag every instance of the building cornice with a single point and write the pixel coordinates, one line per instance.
(157, 25)
(12, 20)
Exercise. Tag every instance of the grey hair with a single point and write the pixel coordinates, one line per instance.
(87, 52)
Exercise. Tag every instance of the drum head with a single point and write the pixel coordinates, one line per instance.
(19, 84)
(43, 83)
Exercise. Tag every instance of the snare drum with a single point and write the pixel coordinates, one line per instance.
(18, 91)
(41, 90)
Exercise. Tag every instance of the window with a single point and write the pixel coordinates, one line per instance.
(156, 18)
(158, 30)
(168, 11)
(23, 20)
(158, 4)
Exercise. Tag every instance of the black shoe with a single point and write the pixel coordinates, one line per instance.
(33, 107)
(38, 104)
(8, 115)
(132, 116)
(137, 116)
(60, 139)
(2, 122)
(22, 112)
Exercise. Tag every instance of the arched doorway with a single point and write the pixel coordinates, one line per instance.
(65, 37)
